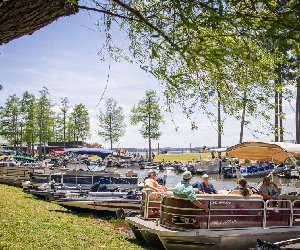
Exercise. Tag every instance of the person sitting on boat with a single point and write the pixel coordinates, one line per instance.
(268, 190)
(151, 182)
(242, 188)
(185, 188)
(205, 187)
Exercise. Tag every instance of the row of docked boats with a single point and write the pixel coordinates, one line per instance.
(234, 221)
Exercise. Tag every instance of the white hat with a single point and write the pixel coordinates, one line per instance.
(152, 172)
(205, 176)
(187, 175)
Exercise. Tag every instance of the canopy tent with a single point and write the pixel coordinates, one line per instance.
(18, 157)
(274, 151)
(90, 151)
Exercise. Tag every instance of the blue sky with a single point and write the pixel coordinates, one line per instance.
(63, 57)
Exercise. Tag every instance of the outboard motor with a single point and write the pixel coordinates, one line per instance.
(132, 195)
(227, 172)
(287, 172)
(95, 187)
(102, 188)
(160, 180)
(191, 168)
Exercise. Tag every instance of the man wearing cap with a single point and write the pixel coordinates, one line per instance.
(185, 188)
(268, 190)
(151, 182)
(205, 187)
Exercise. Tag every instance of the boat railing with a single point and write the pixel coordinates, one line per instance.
(226, 211)
(151, 202)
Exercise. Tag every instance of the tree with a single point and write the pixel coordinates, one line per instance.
(10, 120)
(148, 113)
(29, 112)
(81, 121)
(44, 118)
(64, 109)
(111, 123)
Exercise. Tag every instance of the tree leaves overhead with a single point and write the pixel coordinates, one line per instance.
(196, 48)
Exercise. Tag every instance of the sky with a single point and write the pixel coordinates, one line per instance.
(63, 57)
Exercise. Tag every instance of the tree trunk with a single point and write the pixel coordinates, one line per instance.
(280, 118)
(64, 129)
(243, 117)
(276, 117)
(149, 138)
(44, 147)
(40, 149)
(74, 138)
(219, 122)
(110, 133)
(19, 18)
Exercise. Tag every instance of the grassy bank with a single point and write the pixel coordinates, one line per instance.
(184, 158)
(30, 223)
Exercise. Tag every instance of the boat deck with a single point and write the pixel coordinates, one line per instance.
(206, 239)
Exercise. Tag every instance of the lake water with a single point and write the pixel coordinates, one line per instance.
(217, 180)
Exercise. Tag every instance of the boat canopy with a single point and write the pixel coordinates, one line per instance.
(276, 152)
(90, 151)
(7, 151)
(19, 157)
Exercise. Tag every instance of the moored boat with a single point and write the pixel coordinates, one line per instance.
(234, 221)
(129, 202)
(86, 179)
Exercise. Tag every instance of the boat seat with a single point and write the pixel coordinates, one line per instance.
(284, 204)
(220, 196)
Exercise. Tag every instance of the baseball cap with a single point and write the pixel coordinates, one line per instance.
(187, 175)
(205, 176)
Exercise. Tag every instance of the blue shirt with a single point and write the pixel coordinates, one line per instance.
(186, 189)
(203, 188)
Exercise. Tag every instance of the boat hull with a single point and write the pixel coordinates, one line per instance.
(105, 204)
(233, 222)
(241, 239)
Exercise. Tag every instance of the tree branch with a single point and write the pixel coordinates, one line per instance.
(108, 12)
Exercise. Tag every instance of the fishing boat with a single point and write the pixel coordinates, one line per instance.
(129, 202)
(15, 173)
(86, 179)
(233, 222)
(289, 173)
(251, 170)
(213, 166)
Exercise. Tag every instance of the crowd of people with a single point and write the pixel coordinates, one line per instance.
(268, 190)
